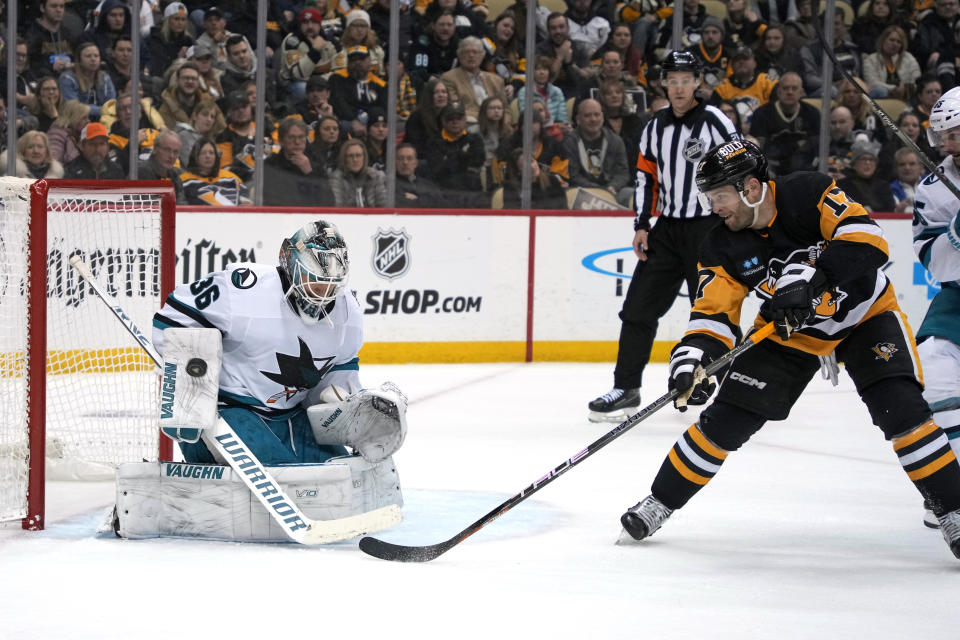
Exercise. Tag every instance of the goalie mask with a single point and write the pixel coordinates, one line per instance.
(316, 265)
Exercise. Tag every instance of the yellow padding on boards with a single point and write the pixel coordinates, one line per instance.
(496, 351)
(115, 360)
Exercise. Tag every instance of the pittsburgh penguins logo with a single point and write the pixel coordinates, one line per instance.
(826, 305)
(693, 149)
(884, 351)
(243, 278)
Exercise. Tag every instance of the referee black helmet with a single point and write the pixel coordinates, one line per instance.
(681, 61)
(731, 163)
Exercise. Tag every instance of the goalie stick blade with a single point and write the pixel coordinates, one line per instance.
(401, 553)
(326, 531)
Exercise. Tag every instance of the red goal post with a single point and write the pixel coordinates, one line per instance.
(77, 395)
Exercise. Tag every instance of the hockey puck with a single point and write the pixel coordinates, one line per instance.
(196, 367)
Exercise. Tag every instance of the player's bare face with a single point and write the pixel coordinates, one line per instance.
(725, 202)
(950, 143)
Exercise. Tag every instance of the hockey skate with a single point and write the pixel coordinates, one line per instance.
(642, 520)
(950, 528)
(614, 406)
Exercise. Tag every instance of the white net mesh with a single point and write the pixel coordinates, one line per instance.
(101, 389)
(14, 439)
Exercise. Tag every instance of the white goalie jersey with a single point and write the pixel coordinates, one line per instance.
(936, 241)
(271, 358)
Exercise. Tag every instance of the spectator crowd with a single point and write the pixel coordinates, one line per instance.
(461, 89)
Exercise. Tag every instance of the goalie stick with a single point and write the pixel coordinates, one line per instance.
(228, 444)
(886, 119)
(403, 553)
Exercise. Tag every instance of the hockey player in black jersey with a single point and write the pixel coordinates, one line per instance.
(815, 258)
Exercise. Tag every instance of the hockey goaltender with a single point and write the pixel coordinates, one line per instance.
(272, 352)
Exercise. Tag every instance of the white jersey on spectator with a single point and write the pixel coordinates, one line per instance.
(271, 358)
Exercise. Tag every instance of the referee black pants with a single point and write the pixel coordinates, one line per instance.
(672, 254)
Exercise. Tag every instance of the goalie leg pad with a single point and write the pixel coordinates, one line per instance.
(372, 421)
(191, 376)
(210, 501)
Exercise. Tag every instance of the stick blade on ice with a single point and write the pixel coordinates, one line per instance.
(402, 553)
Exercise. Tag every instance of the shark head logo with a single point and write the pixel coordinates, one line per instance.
(298, 373)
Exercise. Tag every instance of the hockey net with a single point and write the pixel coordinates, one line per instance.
(77, 395)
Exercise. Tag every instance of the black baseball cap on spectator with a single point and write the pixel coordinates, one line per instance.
(376, 114)
(318, 82)
(212, 11)
(452, 111)
(236, 98)
(742, 53)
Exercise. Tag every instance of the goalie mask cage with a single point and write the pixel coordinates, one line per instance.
(77, 394)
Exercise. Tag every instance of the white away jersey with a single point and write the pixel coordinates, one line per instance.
(271, 358)
(935, 208)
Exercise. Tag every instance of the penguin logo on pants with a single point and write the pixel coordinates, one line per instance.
(884, 351)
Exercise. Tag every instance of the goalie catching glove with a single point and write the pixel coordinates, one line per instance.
(371, 421)
(688, 377)
(794, 299)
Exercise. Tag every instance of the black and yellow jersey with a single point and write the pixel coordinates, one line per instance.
(814, 223)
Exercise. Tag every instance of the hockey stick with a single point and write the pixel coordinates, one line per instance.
(402, 553)
(244, 463)
(886, 119)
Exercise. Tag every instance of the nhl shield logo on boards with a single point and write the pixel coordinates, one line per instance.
(391, 253)
(693, 149)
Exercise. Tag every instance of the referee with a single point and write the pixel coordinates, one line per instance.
(670, 146)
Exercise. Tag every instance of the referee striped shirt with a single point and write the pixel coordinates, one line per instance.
(670, 148)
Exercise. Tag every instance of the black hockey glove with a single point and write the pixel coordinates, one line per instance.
(792, 304)
(688, 377)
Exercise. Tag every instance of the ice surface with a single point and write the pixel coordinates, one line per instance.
(812, 530)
